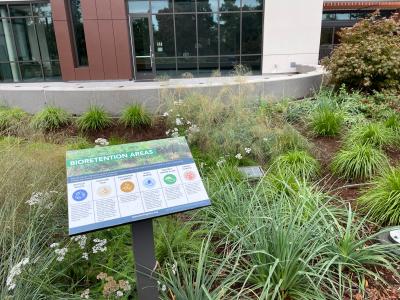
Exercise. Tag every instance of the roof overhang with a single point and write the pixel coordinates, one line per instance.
(337, 5)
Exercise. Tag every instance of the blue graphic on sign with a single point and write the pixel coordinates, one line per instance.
(79, 195)
(149, 182)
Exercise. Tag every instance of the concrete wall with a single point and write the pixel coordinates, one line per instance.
(115, 95)
(107, 40)
(292, 30)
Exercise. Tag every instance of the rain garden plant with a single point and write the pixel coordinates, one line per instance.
(359, 161)
(326, 121)
(50, 118)
(96, 118)
(135, 116)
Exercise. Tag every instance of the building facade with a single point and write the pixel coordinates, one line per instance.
(73, 40)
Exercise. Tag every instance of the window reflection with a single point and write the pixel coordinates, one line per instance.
(208, 34)
(185, 35)
(28, 49)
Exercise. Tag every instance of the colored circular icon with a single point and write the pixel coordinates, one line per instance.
(189, 175)
(170, 179)
(103, 191)
(79, 195)
(127, 186)
(149, 182)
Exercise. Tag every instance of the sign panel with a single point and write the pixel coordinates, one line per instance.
(114, 185)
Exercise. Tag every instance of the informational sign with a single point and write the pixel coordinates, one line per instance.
(114, 185)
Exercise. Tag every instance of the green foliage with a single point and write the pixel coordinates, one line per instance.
(10, 118)
(375, 134)
(368, 56)
(135, 116)
(77, 143)
(359, 161)
(96, 118)
(298, 163)
(326, 121)
(285, 139)
(50, 118)
(382, 200)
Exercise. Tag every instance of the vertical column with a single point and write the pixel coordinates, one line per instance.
(12, 55)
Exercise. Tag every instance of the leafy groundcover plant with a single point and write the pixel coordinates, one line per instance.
(50, 118)
(95, 118)
(326, 121)
(135, 116)
(382, 200)
(360, 161)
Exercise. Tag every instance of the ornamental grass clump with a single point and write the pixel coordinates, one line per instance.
(382, 200)
(326, 121)
(375, 134)
(359, 161)
(11, 118)
(298, 163)
(50, 118)
(95, 118)
(135, 116)
(393, 122)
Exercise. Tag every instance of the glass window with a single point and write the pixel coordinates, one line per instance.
(79, 33)
(51, 70)
(161, 6)
(207, 25)
(187, 64)
(47, 38)
(342, 16)
(207, 5)
(252, 62)
(207, 65)
(41, 9)
(5, 72)
(228, 62)
(185, 35)
(163, 31)
(26, 39)
(230, 33)
(326, 36)
(229, 5)
(20, 10)
(251, 33)
(184, 5)
(164, 63)
(328, 17)
(252, 5)
(135, 6)
(31, 71)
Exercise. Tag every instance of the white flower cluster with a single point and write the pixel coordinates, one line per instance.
(85, 294)
(101, 142)
(14, 272)
(172, 132)
(221, 161)
(61, 252)
(100, 245)
(81, 240)
(85, 256)
(161, 287)
(38, 198)
(193, 128)
(246, 150)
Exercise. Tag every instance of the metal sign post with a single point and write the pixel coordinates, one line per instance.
(145, 260)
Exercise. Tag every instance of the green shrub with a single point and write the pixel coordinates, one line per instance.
(359, 161)
(95, 118)
(368, 56)
(298, 163)
(375, 134)
(10, 118)
(382, 199)
(326, 121)
(135, 116)
(393, 122)
(50, 118)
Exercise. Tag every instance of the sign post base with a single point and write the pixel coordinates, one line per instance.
(143, 250)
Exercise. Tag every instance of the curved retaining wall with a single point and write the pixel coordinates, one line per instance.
(76, 97)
